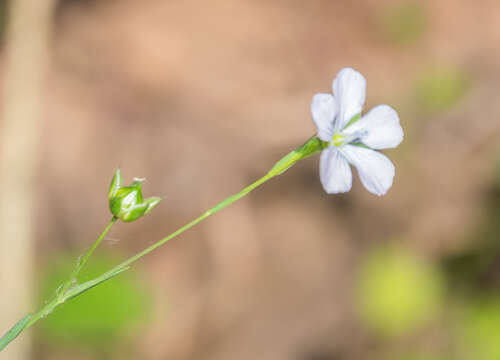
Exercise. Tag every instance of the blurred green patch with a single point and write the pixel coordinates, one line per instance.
(99, 316)
(397, 292)
(403, 23)
(441, 88)
(480, 329)
(475, 267)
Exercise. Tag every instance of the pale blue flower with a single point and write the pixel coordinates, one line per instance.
(353, 137)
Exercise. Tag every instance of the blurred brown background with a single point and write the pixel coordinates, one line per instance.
(201, 98)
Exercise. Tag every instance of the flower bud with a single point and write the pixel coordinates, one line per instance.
(126, 202)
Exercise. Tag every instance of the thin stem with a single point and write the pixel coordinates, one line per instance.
(83, 260)
(62, 292)
(65, 295)
(312, 146)
(205, 215)
(47, 309)
(67, 292)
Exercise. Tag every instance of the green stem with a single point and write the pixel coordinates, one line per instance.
(67, 291)
(83, 260)
(312, 146)
(61, 296)
(205, 215)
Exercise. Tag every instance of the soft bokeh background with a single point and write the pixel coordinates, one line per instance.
(201, 98)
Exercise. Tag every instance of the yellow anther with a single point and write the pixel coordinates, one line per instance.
(337, 140)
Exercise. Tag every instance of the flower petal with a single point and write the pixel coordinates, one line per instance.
(334, 171)
(349, 88)
(375, 170)
(323, 111)
(381, 127)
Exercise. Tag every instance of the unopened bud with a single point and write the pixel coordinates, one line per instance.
(126, 202)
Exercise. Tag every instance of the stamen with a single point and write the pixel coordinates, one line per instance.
(340, 139)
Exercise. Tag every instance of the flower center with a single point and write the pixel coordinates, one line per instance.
(338, 140)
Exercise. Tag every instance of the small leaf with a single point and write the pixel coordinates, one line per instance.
(80, 289)
(14, 331)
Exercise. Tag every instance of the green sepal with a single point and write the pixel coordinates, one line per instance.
(352, 121)
(133, 213)
(115, 183)
(312, 146)
(152, 202)
(359, 144)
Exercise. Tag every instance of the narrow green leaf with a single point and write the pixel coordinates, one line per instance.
(80, 289)
(14, 331)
